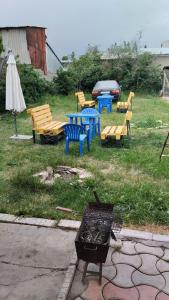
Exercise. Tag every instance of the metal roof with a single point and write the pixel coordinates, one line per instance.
(21, 27)
(155, 51)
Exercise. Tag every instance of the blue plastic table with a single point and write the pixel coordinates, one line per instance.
(75, 117)
(105, 101)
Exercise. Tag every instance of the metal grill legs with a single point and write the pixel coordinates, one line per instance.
(91, 272)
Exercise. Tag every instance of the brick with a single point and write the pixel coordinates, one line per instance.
(69, 224)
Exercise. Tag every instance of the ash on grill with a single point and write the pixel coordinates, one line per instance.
(93, 238)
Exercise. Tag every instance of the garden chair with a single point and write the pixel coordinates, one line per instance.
(50, 131)
(75, 133)
(96, 123)
(83, 102)
(117, 132)
(123, 107)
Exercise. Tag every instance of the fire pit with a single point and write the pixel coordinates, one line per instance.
(93, 238)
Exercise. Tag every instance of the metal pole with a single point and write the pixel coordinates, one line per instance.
(15, 125)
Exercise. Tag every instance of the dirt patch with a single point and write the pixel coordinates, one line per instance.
(49, 175)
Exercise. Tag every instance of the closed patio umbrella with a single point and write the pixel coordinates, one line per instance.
(14, 96)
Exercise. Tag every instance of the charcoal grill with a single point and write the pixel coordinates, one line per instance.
(93, 238)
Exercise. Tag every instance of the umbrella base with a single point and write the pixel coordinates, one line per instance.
(21, 137)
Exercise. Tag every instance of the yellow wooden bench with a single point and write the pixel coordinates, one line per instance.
(124, 106)
(44, 125)
(83, 102)
(117, 132)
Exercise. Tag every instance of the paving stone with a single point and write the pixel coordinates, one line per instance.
(166, 254)
(94, 290)
(7, 218)
(163, 266)
(128, 247)
(156, 281)
(133, 260)
(147, 292)
(161, 238)
(123, 277)
(149, 264)
(116, 245)
(69, 224)
(140, 248)
(109, 272)
(109, 256)
(136, 234)
(162, 296)
(36, 221)
(166, 276)
(78, 287)
(110, 291)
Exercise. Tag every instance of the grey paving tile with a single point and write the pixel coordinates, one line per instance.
(140, 248)
(162, 296)
(133, 260)
(149, 264)
(166, 254)
(163, 266)
(128, 247)
(166, 276)
(109, 272)
(156, 281)
(123, 277)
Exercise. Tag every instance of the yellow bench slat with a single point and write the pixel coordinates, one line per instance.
(105, 132)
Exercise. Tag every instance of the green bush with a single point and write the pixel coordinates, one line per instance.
(63, 82)
(33, 86)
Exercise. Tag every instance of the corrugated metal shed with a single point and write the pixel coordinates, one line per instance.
(36, 41)
(15, 39)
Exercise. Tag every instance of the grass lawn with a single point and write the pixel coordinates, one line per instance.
(131, 177)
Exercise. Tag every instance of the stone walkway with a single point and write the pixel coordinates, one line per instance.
(137, 270)
(33, 261)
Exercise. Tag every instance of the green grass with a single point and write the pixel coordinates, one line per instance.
(131, 177)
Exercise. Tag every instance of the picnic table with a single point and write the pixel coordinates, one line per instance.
(93, 119)
(105, 101)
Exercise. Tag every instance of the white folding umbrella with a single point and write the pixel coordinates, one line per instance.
(14, 96)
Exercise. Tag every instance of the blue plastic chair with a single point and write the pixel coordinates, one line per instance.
(85, 123)
(75, 133)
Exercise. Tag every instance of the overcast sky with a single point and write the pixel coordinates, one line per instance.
(73, 24)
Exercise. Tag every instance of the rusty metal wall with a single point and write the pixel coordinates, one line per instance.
(15, 39)
(36, 41)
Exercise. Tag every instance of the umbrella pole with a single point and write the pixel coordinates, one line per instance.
(15, 125)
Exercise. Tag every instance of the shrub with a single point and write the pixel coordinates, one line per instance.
(33, 86)
(63, 82)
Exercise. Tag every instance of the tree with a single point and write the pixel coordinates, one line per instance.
(1, 45)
